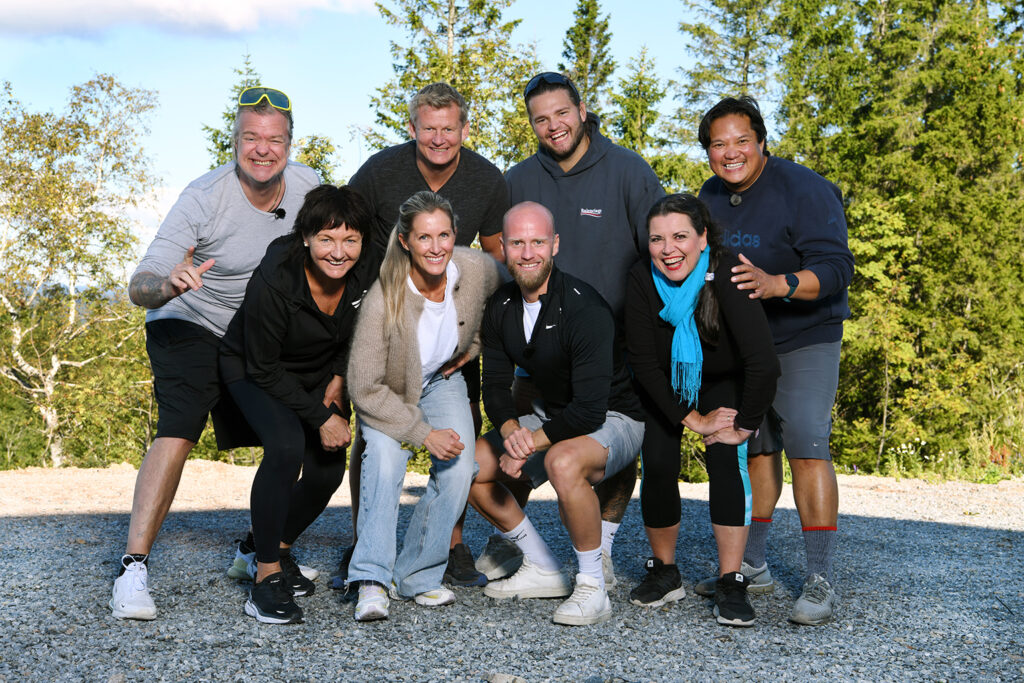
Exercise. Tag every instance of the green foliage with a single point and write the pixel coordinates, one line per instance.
(733, 44)
(465, 44)
(316, 151)
(916, 111)
(636, 106)
(585, 51)
(65, 188)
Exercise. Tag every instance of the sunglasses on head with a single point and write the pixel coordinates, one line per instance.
(250, 97)
(551, 78)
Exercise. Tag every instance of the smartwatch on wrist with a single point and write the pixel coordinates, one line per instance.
(793, 281)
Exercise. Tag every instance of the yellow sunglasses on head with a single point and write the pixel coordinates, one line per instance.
(250, 97)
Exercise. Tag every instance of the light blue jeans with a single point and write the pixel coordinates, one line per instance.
(420, 566)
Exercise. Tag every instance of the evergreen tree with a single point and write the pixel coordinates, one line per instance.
(585, 51)
(635, 118)
(733, 46)
(916, 111)
(465, 44)
(636, 123)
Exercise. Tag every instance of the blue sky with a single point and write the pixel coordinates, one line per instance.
(328, 55)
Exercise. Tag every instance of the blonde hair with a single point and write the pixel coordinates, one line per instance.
(395, 268)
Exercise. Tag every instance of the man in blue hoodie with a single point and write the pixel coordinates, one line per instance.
(599, 194)
(786, 224)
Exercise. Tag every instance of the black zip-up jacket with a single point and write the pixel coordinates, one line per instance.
(282, 342)
(570, 357)
(743, 350)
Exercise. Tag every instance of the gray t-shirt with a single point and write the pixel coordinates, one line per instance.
(213, 215)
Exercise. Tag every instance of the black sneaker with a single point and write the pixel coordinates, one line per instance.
(460, 570)
(732, 606)
(338, 581)
(270, 602)
(298, 584)
(661, 585)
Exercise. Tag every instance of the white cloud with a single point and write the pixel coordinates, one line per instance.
(85, 17)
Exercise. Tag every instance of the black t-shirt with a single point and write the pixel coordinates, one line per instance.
(477, 192)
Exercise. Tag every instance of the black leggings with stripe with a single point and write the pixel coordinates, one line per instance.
(282, 507)
(660, 458)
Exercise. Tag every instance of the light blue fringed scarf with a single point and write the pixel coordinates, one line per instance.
(680, 304)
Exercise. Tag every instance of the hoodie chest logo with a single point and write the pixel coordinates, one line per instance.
(593, 213)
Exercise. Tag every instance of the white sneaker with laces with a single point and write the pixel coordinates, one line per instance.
(373, 602)
(530, 582)
(435, 598)
(131, 598)
(588, 604)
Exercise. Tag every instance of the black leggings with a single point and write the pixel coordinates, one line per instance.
(660, 458)
(282, 507)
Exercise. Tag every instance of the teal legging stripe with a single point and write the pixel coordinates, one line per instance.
(748, 498)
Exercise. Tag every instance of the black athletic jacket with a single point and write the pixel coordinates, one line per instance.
(569, 357)
(282, 342)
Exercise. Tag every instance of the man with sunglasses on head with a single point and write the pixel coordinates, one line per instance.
(599, 194)
(192, 280)
(435, 159)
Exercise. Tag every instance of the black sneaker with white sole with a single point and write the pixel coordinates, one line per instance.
(732, 606)
(270, 602)
(661, 585)
(298, 584)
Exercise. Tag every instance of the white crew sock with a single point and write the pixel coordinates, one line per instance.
(590, 564)
(608, 530)
(533, 546)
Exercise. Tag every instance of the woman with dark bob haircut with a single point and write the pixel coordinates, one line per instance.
(703, 356)
(283, 359)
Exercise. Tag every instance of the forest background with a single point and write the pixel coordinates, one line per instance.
(914, 108)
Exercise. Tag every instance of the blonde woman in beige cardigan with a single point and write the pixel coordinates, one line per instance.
(417, 325)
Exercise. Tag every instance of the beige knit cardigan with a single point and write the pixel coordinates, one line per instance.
(385, 377)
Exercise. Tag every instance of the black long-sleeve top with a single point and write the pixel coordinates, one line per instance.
(282, 341)
(744, 349)
(570, 357)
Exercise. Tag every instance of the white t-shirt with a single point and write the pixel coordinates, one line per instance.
(438, 328)
(530, 314)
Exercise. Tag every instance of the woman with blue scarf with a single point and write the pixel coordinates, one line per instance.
(703, 357)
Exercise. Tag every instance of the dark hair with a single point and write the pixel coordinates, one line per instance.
(548, 81)
(326, 207)
(745, 105)
(700, 218)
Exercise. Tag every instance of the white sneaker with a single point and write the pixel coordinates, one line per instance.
(373, 602)
(131, 592)
(500, 558)
(530, 582)
(435, 598)
(608, 567)
(588, 604)
(244, 566)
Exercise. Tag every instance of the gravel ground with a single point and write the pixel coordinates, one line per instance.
(928, 576)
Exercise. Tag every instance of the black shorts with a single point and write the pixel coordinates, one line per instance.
(187, 385)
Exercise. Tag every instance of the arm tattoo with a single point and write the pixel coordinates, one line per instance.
(147, 290)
